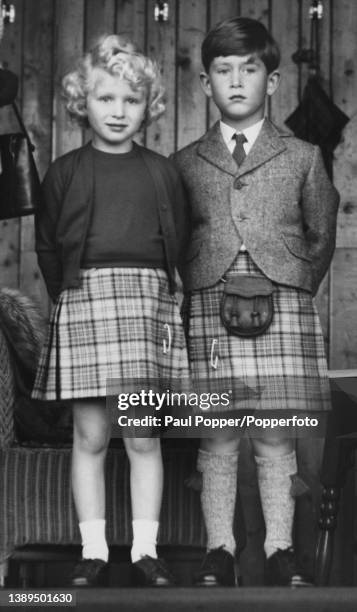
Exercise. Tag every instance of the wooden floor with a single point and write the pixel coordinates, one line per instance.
(222, 600)
(210, 600)
(37, 573)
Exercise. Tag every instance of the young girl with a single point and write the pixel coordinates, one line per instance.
(108, 237)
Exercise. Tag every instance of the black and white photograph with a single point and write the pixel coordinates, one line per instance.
(178, 305)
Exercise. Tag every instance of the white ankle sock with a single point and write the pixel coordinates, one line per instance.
(93, 540)
(144, 539)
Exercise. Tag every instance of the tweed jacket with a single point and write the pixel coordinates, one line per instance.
(63, 218)
(280, 203)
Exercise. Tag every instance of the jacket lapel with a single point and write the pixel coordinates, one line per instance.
(213, 148)
(268, 144)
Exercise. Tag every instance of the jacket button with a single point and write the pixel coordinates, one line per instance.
(238, 184)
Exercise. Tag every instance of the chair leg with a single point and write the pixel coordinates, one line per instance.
(327, 524)
(24, 575)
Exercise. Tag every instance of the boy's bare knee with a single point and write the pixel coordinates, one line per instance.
(221, 446)
(272, 446)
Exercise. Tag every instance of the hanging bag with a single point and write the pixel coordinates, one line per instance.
(20, 190)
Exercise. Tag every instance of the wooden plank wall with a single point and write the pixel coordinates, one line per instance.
(48, 36)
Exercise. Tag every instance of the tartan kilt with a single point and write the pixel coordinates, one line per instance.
(284, 368)
(121, 323)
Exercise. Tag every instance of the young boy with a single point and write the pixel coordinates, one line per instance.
(262, 205)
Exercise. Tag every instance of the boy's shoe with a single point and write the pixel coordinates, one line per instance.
(149, 572)
(282, 569)
(217, 569)
(89, 573)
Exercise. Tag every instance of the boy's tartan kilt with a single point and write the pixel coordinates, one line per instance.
(120, 323)
(285, 368)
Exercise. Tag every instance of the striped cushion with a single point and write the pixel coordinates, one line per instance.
(36, 502)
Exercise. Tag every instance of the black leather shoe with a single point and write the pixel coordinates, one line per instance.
(217, 569)
(89, 573)
(149, 572)
(282, 569)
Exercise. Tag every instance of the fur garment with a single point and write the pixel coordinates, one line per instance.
(23, 326)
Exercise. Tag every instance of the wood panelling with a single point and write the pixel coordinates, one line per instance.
(286, 34)
(256, 9)
(161, 44)
(100, 19)
(343, 344)
(218, 11)
(343, 320)
(38, 34)
(131, 19)
(69, 38)
(49, 35)
(191, 102)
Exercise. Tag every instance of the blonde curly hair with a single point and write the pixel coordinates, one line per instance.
(119, 57)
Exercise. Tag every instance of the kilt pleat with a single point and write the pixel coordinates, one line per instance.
(121, 323)
(284, 368)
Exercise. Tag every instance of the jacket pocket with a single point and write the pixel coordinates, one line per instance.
(297, 246)
(193, 249)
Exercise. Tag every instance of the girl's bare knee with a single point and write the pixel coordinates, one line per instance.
(91, 427)
(92, 444)
(141, 446)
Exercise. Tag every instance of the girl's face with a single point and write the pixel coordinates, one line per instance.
(115, 112)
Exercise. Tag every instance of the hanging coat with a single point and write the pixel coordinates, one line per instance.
(318, 120)
(8, 87)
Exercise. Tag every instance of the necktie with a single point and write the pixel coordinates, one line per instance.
(239, 154)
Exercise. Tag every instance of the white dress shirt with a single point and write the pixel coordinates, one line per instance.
(251, 133)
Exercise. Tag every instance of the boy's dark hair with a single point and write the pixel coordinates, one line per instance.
(240, 36)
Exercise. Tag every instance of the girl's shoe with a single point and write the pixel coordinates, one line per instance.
(149, 572)
(89, 573)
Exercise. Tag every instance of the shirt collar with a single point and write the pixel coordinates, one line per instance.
(251, 133)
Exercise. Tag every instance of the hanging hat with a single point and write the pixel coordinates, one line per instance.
(8, 87)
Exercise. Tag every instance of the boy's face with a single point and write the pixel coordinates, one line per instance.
(239, 85)
(115, 112)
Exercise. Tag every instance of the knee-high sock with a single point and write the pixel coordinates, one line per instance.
(218, 497)
(277, 502)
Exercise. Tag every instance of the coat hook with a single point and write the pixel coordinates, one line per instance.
(161, 12)
(316, 10)
(8, 12)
